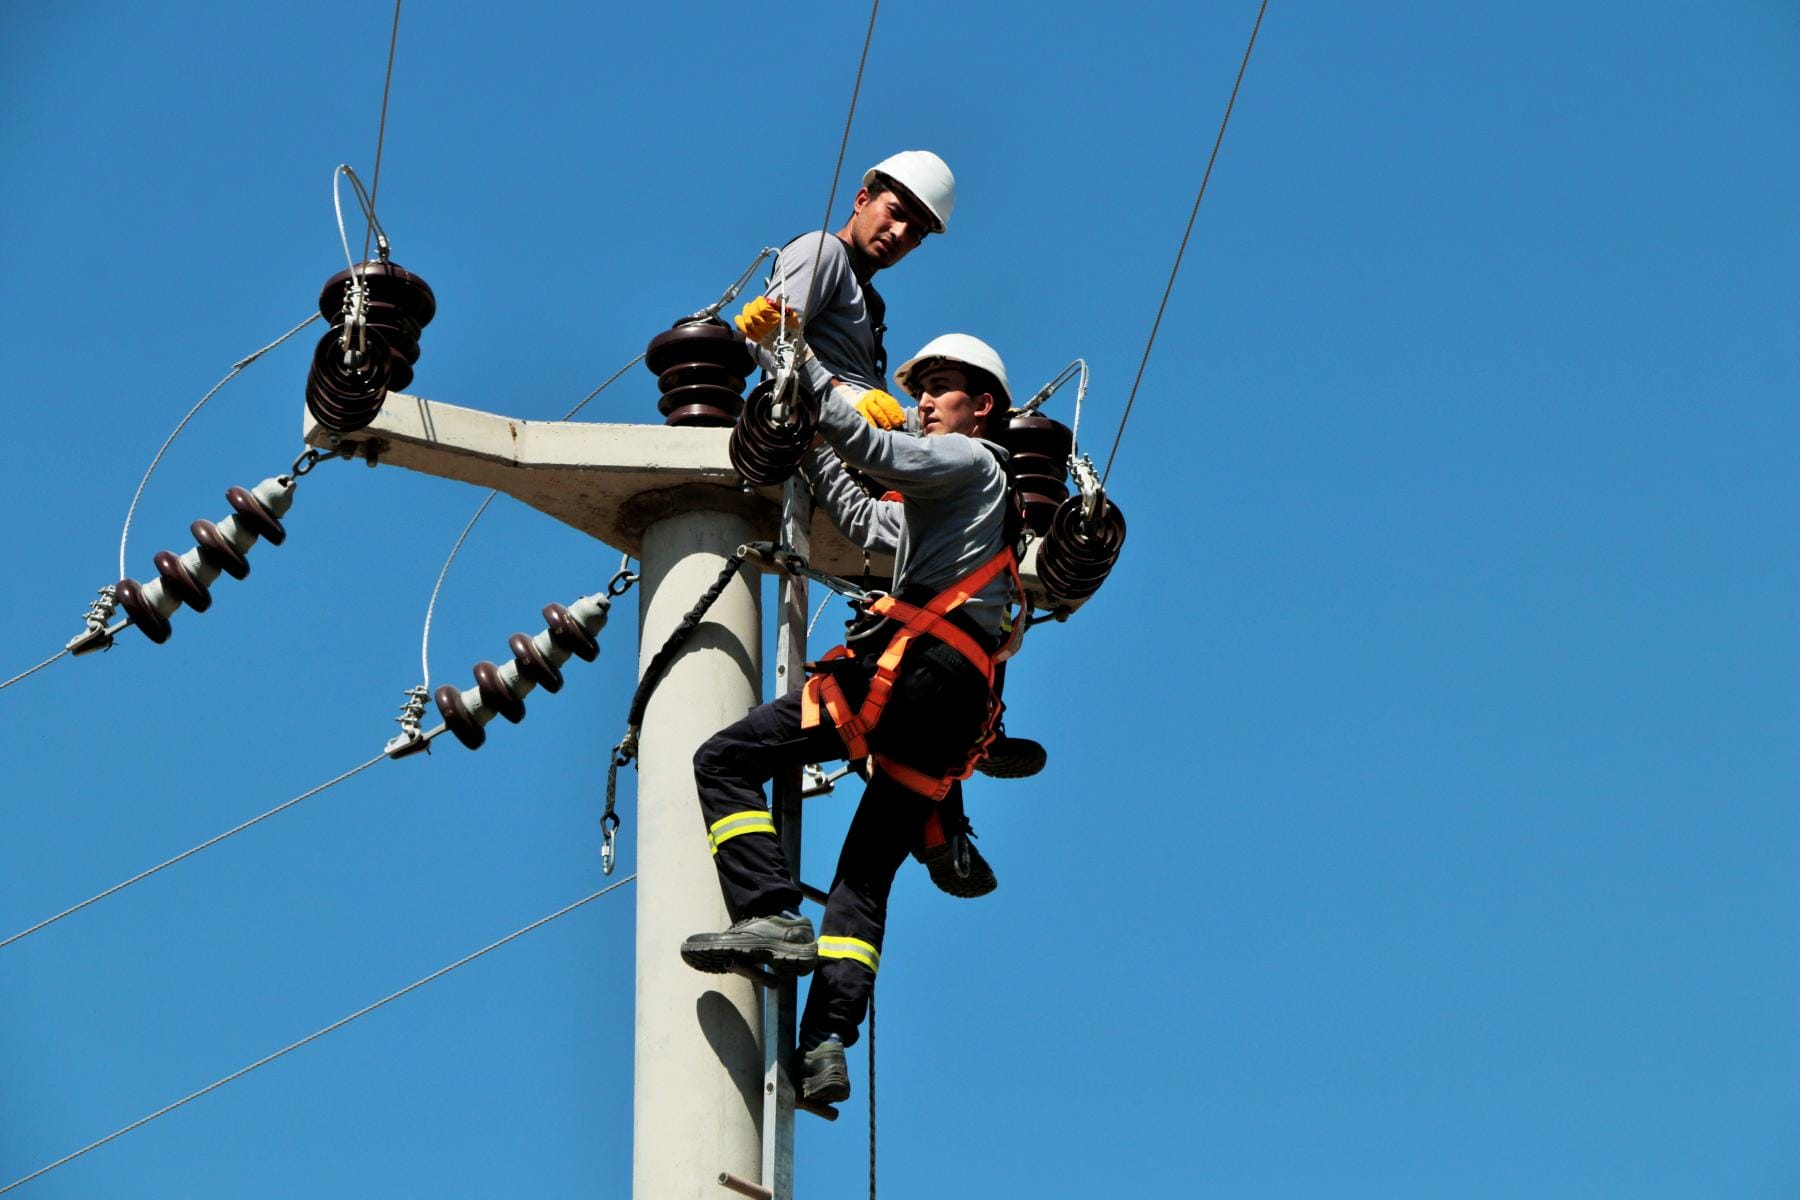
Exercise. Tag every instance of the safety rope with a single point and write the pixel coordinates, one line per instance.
(125, 534)
(626, 750)
(33, 670)
(381, 132)
(871, 1092)
(313, 1037)
(1176, 269)
(143, 875)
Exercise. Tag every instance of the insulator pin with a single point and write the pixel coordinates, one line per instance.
(700, 368)
(220, 550)
(536, 662)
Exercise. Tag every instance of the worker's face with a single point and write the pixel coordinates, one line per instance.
(945, 405)
(884, 229)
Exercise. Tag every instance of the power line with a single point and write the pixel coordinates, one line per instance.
(142, 875)
(838, 170)
(381, 132)
(33, 670)
(125, 533)
(313, 1037)
(1176, 269)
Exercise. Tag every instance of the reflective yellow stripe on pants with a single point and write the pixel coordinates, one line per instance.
(726, 828)
(855, 949)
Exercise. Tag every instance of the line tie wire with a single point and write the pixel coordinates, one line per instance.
(32, 670)
(236, 367)
(315, 1036)
(1176, 269)
(142, 875)
(381, 131)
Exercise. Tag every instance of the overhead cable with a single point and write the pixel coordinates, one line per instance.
(238, 366)
(1176, 269)
(381, 131)
(313, 1037)
(143, 875)
(33, 670)
(843, 144)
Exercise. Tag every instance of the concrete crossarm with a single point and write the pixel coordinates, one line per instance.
(609, 481)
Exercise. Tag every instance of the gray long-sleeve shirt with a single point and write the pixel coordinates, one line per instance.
(844, 322)
(953, 517)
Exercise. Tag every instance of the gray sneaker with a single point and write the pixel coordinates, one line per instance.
(785, 945)
(824, 1077)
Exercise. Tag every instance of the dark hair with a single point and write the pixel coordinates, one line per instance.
(887, 183)
(976, 382)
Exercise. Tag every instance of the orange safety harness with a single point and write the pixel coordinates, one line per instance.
(823, 695)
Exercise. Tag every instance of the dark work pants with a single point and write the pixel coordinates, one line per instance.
(933, 716)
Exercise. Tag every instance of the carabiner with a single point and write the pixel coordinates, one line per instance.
(609, 854)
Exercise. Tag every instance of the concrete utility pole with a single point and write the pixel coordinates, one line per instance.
(711, 1098)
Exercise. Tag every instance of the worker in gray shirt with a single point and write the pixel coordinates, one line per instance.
(914, 696)
(824, 281)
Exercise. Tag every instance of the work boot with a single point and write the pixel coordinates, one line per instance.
(784, 944)
(956, 866)
(823, 1076)
(1012, 757)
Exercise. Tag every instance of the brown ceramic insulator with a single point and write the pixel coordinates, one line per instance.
(180, 583)
(1072, 561)
(687, 374)
(1042, 485)
(366, 378)
(567, 632)
(387, 283)
(1040, 511)
(132, 600)
(395, 321)
(1024, 462)
(700, 342)
(1034, 433)
(499, 697)
(400, 373)
(533, 665)
(217, 551)
(457, 718)
(701, 416)
(764, 453)
(257, 519)
(698, 395)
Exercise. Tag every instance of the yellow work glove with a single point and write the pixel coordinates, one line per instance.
(880, 409)
(761, 317)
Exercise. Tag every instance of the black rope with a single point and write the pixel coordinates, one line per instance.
(1176, 269)
(659, 665)
(871, 1092)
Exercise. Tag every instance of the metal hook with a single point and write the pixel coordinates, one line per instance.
(609, 852)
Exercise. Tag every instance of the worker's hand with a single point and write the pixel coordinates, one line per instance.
(880, 409)
(761, 318)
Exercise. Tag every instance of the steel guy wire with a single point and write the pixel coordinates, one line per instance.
(431, 607)
(313, 1037)
(32, 671)
(838, 170)
(381, 131)
(236, 367)
(1176, 269)
(143, 875)
(363, 201)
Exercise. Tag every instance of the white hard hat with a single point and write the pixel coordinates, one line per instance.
(957, 348)
(923, 174)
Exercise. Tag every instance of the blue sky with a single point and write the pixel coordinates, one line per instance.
(1420, 813)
